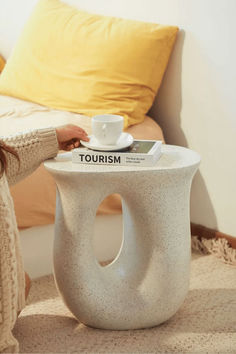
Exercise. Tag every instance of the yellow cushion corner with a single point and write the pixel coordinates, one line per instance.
(91, 64)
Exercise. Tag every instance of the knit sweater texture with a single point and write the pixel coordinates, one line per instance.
(32, 148)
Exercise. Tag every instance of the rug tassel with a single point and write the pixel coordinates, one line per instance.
(218, 247)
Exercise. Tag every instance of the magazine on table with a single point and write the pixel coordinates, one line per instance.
(140, 153)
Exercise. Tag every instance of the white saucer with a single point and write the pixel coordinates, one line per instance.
(123, 142)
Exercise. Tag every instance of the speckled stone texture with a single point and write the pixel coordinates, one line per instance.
(149, 279)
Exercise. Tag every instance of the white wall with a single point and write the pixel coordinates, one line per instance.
(195, 105)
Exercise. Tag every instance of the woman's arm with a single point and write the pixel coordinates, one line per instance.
(36, 146)
(32, 148)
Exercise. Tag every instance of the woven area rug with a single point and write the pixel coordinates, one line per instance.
(205, 323)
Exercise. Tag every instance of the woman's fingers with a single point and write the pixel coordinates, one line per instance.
(69, 136)
(77, 132)
(72, 144)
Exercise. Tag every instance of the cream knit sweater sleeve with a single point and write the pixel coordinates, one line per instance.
(32, 148)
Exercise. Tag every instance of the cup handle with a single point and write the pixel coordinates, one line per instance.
(104, 127)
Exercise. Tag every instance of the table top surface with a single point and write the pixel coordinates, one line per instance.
(172, 157)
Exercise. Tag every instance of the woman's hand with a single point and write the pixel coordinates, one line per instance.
(69, 136)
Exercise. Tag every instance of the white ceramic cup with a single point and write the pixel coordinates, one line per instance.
(107, 128)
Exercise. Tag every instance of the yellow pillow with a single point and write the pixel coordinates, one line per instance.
(90, 64)
(2, 63)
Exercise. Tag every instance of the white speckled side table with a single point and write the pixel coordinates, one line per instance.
(148, 281)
